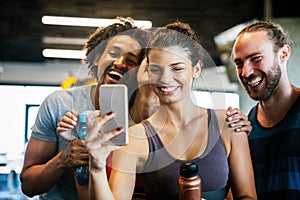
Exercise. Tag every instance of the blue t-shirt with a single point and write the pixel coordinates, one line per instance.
(51, 110)
(275, 155)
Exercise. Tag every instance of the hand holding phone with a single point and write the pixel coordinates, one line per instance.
(114, 97)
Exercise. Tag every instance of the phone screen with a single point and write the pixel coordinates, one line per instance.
(114, 97)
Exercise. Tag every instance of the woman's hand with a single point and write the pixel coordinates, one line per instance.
(66, 124)
(238, 120)
(97, 142)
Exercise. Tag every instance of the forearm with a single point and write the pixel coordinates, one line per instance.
(37, 179)
(241, 169)
(98, 186)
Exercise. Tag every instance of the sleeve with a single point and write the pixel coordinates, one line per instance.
(46, 121)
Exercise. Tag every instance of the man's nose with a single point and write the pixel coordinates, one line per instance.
(120, 63)
(247, 69)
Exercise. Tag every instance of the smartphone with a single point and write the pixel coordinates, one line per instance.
(114, 97)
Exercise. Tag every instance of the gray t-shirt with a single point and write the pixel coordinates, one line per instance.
(51, 110)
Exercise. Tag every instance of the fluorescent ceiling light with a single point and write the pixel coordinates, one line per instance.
(62, 40)
(60, 53)
(89, 22)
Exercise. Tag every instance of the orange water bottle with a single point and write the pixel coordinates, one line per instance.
(189, 182)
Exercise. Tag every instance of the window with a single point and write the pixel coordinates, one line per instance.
(216, 100)
(14, 102)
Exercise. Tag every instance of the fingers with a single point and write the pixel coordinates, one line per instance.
(95, 121)
(246, 129)
(76, 114)
(96, 140)
(75, 154)
(229, 108)
(63, 125)
(101, 139)
(241, 123)
(90, 118)
(95, 137)
(235, 115)
(79, 152)
(238, 120)
(233, 111)
(67, 122)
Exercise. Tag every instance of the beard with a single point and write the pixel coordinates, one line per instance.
(273, 78)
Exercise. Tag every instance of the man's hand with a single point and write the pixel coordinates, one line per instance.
(238, 120)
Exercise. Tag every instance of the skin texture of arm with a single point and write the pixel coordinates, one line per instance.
(125, 161)
(41, 169)
(98, 153)
(241, 171)
(42, 166)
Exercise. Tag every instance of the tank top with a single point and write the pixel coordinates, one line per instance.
(161, 171)
(275, 154)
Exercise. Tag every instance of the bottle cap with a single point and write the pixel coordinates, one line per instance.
(82, 116)
(188, 169)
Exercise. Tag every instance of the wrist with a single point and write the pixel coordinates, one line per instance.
(96, 166)
(62, 161)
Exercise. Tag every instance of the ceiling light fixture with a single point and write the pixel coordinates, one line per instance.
(89, 22)
(61, 53)
(62, 40)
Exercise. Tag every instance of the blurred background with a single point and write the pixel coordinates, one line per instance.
(28, 74)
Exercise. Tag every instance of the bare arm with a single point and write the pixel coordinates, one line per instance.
(98, 153)
(240, 165)
(126, 161)
(122, 178)
(42, 166)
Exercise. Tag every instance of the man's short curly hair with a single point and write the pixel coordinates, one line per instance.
(98, 40)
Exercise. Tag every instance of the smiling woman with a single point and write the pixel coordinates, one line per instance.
(178, 131)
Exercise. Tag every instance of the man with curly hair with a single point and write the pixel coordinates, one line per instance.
(112, 53)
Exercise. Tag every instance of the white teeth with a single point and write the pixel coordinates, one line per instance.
(168, 89)
(116, 73)
(255, 81)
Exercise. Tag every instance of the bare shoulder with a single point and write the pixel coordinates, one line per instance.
(137, 149)
(224, 124)
(137, 130)
(229, 136)
(137, 138)
(224, 129)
